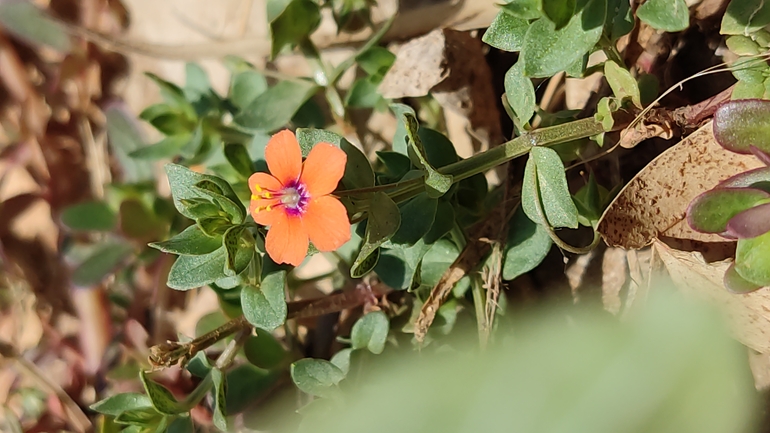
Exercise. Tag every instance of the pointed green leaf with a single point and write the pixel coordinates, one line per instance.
(88, 216)
(383, 221)
(162, 399)
(265, 306)
(744, 17)
(275, 107)
(239, 158)
(668, 15)
(520, 92)
(436, 183)
(190, 272)
(220, 391)
(26, 21)
(546, 182)
(122, 402)
(621, 82)
(506, 32)
(526, 246)
(186, 184)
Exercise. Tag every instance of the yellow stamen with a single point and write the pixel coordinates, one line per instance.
(268, 208)
(267, 195)
(258, 188)
(255, 197)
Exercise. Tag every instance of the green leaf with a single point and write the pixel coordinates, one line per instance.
(384, 219)
(245, 87)
(140, 223)
(524, 9)
(316, 377)
(341, 359)
(196, 80)
(247, 384)
(436, 261)
(398, 266)
(220, 389)
(199, 365)
(747, 90)
(103, 261)
(142, 417)
(240, 250)
(439, 151)
(162, 399)
(559, 11)
(548, 51)
(371, 332)
(711, 211)
(750, 70)
(264, 350)
(190, 272)
(265, 306)
(744, 17)
(506, 32)
(526, 246)
(738, 125)
(167, 119)
(752, 259)
(621, 82)
(182, 424)
(376, 61)
(742, 45)
(442, 224)
(396, 165)
(28, 22)
(436, 184)
(296, 22)
(118, 403)
(364, 93)
(173, 95)
(239, 158)
(520, 92)
(124, 138)
(186, 185)
(167, 147)
(275, 107)
(668, 15)
(420, 211)
(89, 216)
(545, 181)
(400, 143)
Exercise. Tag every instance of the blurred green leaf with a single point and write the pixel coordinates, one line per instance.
(173, 95)
(141, 417)
(247, 384)
(670, 368)
(364, 93)
(166, 148)
(240, 249)
(245, 87)
(376, 61)
(526, 246)
(371, 332)
(297, 20)
(239, 158)
(341, 359)
(140, 223)
(316, 377)
(182, 424)
(620, 20)
(264, 350)
(275, 107)
(436, 184)
(382, 222)
(105, 259)
(87, 216)
(26, 21)
(400, 143)
(420, 212)
(397, 266)
(668, 15)
(124, 138)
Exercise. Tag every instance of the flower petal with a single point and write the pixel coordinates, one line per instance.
(326, 223)
(262, 216)
(323, 169)
(259, 182)
(287, 240)
(284, 157)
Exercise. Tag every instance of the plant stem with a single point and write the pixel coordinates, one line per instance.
(322, 76)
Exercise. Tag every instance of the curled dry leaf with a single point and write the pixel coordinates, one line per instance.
(450, 65)
(748, 314)
(654, 203)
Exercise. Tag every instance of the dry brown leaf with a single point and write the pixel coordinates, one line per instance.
(748, 315)
(653, 204)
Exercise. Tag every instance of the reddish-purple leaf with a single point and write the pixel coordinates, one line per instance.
(750, 223)
(760, 154)
(757, 178)
(737, 284)
(711, 211)
(740, 124)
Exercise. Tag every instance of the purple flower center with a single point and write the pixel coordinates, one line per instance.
(294, 198)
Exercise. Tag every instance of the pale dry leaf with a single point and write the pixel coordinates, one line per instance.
(614, 277)
(747, 314)
(760, 368)
(653, 204)
(420, 65)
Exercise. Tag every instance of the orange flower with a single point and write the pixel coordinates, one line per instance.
(294, 201)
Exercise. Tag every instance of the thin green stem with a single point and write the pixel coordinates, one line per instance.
(611, 51)
(322, 77)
